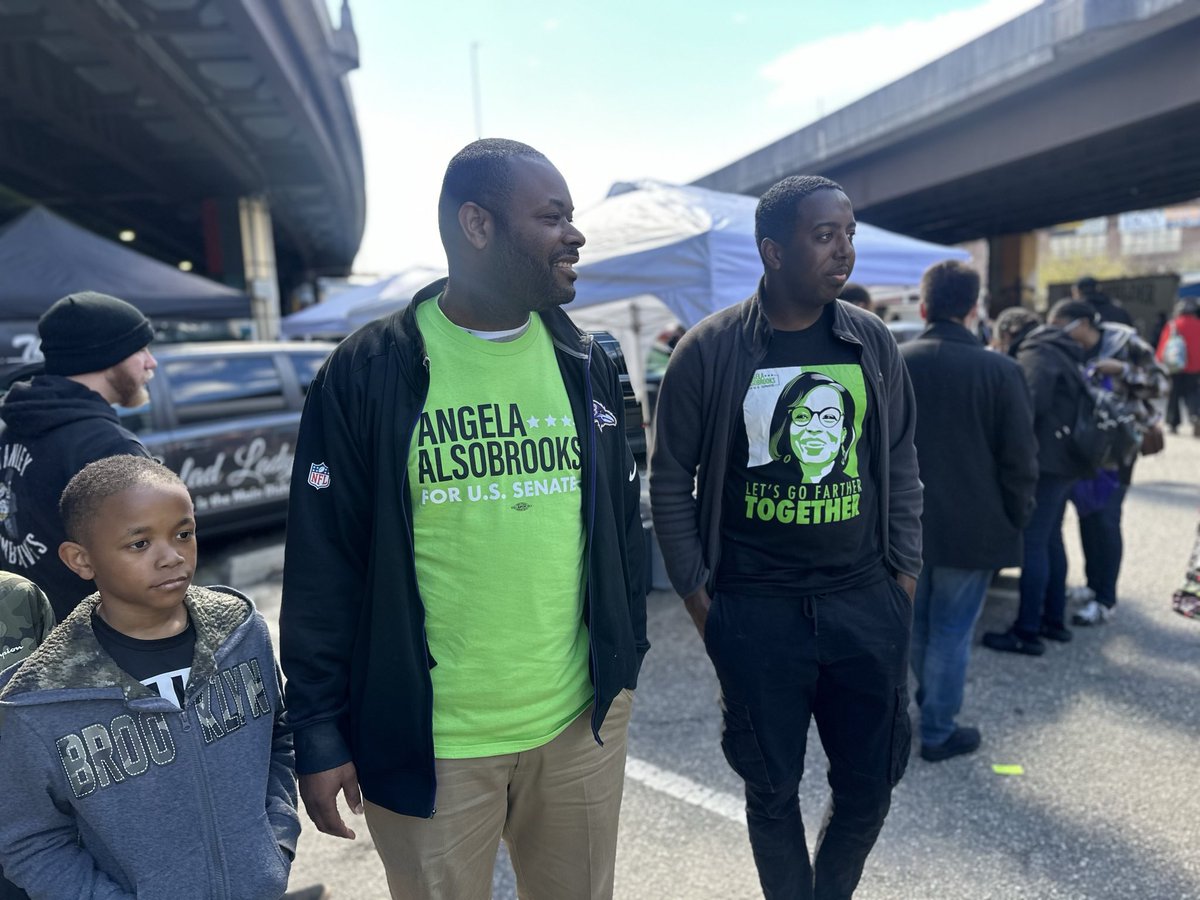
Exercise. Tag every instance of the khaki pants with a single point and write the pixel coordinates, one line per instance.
(556, 807)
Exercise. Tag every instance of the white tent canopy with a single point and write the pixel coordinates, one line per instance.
(634, 323)
(694, 249)
(355, 307)
(655, 253)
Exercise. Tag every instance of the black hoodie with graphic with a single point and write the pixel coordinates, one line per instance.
(50, 428)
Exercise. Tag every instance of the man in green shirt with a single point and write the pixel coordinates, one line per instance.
(464, 603)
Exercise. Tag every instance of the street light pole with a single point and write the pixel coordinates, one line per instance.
(475, 92)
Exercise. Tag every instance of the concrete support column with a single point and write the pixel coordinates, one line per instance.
(1012, 271)
(258, 264)
(240, 252)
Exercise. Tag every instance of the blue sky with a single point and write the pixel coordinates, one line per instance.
(614, 90)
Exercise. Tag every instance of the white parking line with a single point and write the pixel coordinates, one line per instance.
(683, 788)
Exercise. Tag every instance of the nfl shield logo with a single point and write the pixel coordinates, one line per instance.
(318, 475)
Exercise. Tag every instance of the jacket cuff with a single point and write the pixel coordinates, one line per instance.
(287, 831)
(642, 649)
(698, 581)
(320, 747)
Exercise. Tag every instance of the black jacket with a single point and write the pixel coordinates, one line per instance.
(352, 636)
(976, 448)
(1051, 362)
(52, 427)
(700, 403)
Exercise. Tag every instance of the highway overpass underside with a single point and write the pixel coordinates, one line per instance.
(183, 121)
(1121, 134)
(1076, 109)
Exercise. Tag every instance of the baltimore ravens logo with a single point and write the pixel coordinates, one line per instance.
(601, 416)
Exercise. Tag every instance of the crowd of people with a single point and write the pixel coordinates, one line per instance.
(436, 685)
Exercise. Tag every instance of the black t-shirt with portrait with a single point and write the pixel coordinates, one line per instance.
(163, 665)
(801, 507)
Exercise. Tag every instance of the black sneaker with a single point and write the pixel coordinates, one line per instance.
(1056, 631)
(964, 740)
(1011, 642)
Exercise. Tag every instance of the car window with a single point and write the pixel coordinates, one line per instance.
(227, 387)
(307, 365)
(136, 420)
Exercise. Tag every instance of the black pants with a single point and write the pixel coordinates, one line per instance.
(1185, 390)
(841, 658)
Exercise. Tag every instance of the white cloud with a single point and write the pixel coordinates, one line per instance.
(817, 78)
(407, 144)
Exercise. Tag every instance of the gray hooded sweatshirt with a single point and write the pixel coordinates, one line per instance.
(111, 791)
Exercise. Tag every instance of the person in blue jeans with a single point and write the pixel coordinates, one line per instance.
(978, 461)
(1043, 584)
(1050, 361)
(1103, 548)
(1119, 361)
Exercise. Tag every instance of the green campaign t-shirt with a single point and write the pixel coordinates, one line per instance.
(494, 475)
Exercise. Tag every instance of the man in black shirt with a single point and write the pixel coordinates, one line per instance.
(787, 504)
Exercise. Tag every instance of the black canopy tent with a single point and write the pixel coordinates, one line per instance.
(44, 257)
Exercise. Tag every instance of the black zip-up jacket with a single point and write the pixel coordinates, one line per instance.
(700, 403)
(352, 635)
(52, 428)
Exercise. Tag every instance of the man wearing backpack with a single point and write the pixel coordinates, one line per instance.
(1179, 352)
(1050, 361)
(1117, 360)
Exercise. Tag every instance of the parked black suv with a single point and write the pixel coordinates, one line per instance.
(224, 416)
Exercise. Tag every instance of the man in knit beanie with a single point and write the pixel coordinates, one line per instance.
(97, 356)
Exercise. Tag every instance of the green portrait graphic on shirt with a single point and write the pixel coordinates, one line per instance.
(803, 426)
(816, 424)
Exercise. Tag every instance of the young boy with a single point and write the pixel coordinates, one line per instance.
(141, 751)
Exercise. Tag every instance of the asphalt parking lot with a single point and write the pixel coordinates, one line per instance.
(1105, 729)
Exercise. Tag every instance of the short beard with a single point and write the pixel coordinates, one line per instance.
(140, 398)
(130, 393)
(532, 280)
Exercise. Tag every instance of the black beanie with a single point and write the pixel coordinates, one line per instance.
(88, 332)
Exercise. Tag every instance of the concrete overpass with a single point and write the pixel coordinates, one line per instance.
(206, 127)
(1077, 108)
